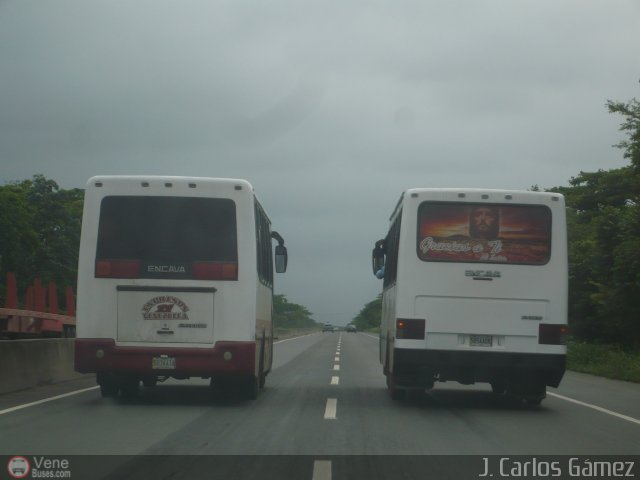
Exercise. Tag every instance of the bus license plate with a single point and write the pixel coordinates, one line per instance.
(163, 363)
(480, 340)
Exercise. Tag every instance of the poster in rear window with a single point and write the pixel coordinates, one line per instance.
(484, 233)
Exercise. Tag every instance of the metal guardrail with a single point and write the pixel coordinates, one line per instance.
(17, 323)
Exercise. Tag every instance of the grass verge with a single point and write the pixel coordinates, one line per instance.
(609, 361)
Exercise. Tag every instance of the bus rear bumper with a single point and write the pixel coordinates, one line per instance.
(224, 358)
(471, 367)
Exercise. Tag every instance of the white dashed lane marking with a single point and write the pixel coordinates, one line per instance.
(331, 409)
(321, 470)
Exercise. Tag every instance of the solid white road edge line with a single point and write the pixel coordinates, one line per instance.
(295, 338)
(595, 407)
(50, 399)
(331, 409)
(321, 470)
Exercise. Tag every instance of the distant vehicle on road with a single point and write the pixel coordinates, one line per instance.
(327, 327)
(351, 328)
(475, 290)
(175, 279)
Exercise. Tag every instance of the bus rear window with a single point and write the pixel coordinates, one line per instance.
(484, 233)
(167, 237)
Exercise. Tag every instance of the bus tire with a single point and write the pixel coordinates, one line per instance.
(251, 387)
(498, 387)
(536, 395)
(262, 377)
(150, 381)
(396, 392)
(533, 401)
(108, 385)
(129, 388)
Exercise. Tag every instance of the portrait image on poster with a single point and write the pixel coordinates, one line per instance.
(484, 233)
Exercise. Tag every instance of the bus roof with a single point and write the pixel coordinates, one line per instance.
(475, 195)
(168, 180)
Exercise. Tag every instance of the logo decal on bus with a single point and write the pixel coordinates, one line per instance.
(166, 269)
(483, 273)
(165, 307)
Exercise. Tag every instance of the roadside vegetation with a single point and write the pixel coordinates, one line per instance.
(39, 232)
(291, 319)
(368, 320)
(611, 361)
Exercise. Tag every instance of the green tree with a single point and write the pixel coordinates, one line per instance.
(370, 315)
(18, 239)
(57, 218)
(603, 216)
(288, 315)
(39, 232)
(631, 113)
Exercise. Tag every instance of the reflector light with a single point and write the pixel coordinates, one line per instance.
(410, 329)
(215, 271)
(117, 269)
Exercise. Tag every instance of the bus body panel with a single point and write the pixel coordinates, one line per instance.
(460, 302)
(189, 361)
(124, 323)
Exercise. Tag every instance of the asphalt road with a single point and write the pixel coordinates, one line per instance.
(324, 413)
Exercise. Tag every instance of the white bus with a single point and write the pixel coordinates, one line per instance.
(475, 290)
(175, 279)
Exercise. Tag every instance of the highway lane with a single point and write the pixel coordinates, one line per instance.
(304, 411)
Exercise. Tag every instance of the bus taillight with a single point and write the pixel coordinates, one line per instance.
(117, 268)
(410, 329)
(552, 334)
(215, 271)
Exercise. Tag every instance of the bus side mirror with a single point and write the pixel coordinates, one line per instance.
(377, 263)
(281, 253)
(377, 259)
(281, 258)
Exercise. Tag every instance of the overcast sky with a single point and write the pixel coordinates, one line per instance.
(329, 108)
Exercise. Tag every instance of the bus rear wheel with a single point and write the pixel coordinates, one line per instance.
(150, 381)
(108, 385)
(531, 392)
(250, 387)
(498, 387)
(262, 376)
(129, 388)
(395, 391)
